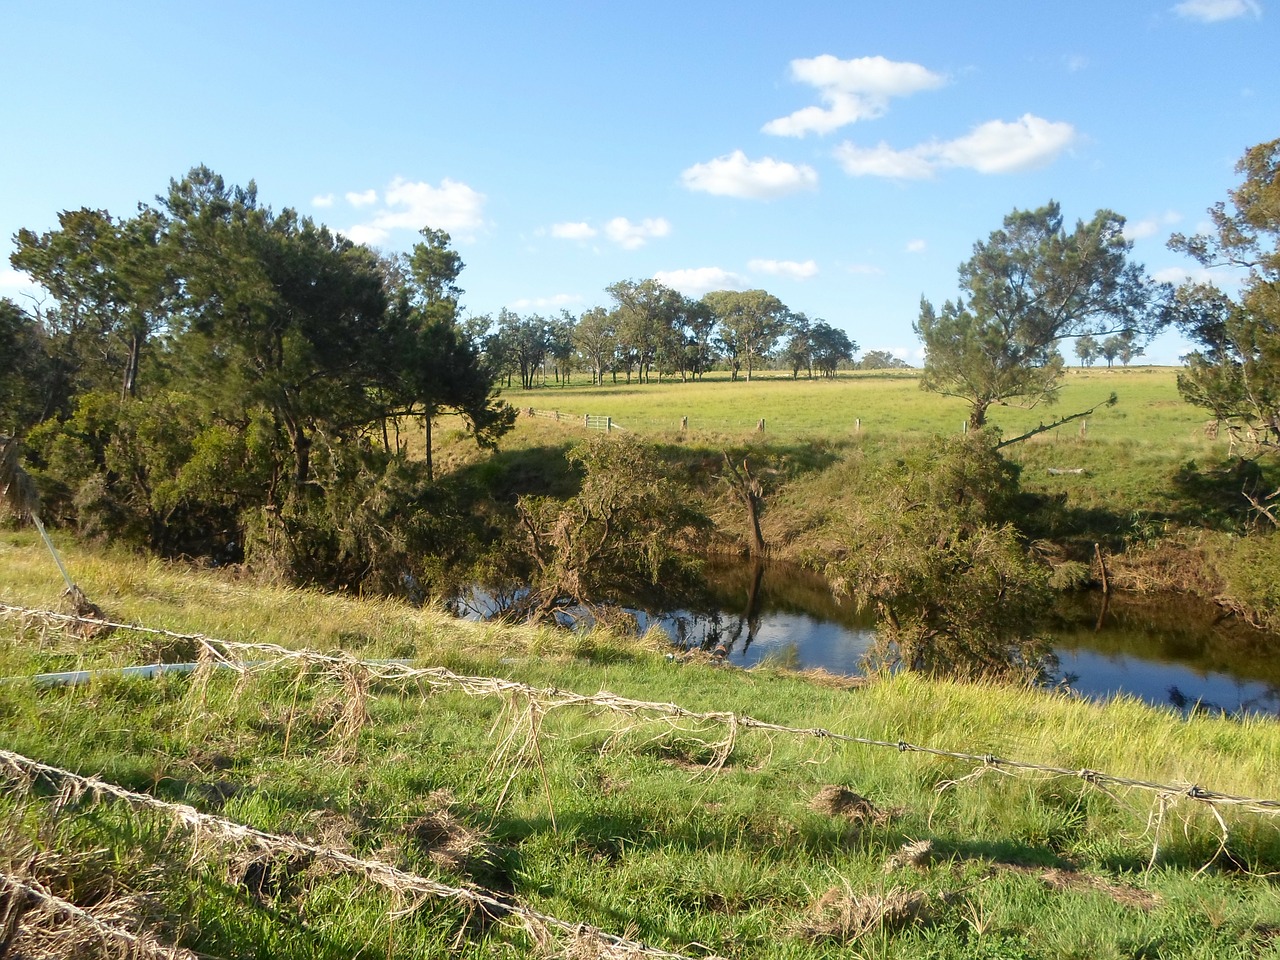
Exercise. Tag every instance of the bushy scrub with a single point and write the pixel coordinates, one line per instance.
(932, 552)
(1250, 567)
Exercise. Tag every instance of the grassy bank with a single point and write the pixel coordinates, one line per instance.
(605, 817)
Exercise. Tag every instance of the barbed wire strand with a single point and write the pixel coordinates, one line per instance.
(25, 771)
(54, 907)
(551, 698)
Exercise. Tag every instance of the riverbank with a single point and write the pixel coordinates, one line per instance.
(684, 833)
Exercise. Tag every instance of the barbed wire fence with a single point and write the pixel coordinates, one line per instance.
(271, 656)
(410, 888)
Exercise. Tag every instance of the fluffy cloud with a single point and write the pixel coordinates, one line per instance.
(573, 231)
(785, 268)
(547, 303)
(734, 175)
(412, 205)
(632, 236)
(1212, 11)
(699, 280)
(991, 147)
(852, 90)
(322, 200)
(365, 198)
(916, 246)
(1136, 230)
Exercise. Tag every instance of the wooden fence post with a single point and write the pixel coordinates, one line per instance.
(760, 426)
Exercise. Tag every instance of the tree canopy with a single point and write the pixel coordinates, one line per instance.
(1027, 288)
(1235, 372)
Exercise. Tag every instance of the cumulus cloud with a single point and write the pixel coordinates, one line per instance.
(363, 198)
(699, 280)
(791, 269)
(322, 200)
(733, 175)
(852, 90)
(1137, 229)
(916, 246)
(573, 231)
(411, 205)
(633, 236)
(1212, 11)
(991, 147)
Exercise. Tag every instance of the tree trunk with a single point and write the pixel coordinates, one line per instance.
(426, 420)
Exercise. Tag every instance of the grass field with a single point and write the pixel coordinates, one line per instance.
(596, 816)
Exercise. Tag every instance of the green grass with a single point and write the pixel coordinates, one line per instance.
(645, 837)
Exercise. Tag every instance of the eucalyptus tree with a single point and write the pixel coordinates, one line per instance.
(648, 317)
(1026, 288)
(596, 339)
(112, 287)
(830, 347)
(526, 342)
(1087, 350)
(751, 323)
(1235, 372)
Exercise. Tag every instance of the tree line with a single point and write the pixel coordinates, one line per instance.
(655, 330)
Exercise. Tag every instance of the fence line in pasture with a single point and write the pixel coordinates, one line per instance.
(590, 421)
(30, 901)
(418, 889)
(546, 699)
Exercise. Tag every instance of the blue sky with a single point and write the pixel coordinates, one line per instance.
(844, 156)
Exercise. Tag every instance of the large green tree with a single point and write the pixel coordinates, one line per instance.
(751, 323)
(26, 387)
(1028, 287)
(1235, 372)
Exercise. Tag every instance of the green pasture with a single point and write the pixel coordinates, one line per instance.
(606, 818)
(888, 404)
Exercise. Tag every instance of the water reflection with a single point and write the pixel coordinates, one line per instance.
(1169, 652)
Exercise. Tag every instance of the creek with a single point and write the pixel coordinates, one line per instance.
(1169, 651)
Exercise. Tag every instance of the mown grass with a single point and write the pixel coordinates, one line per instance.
(613, 822)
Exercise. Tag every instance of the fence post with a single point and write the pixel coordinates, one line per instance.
(857, 424)
(760, 426)
(586, 420)
(1084, 428)
(557, 413)
(684, 424)
(608, 424)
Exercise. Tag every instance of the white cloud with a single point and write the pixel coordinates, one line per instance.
(1222, 278)
(367, 234)
(322, 200)
(991, 147)
(365, 198)
(916, 246)
(733, 175)
(699, 280)
(1137, 229)
(791, 269)
(632, 236)
(852, 90)
(865, 269)
(1212, 11)
(547, 303)
(573, 231)
(15, 280)
(411, 205)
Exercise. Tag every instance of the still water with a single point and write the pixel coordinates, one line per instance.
(1169, 652)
